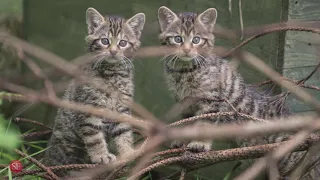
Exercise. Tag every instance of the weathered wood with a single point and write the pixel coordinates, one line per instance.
(302, 49)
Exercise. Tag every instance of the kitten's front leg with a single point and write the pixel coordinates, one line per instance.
(203, 146)
(182, 143)
(123, 138)
(92, 133)
(200, 146)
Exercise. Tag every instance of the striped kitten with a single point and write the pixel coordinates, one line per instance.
(192, 73)
(82, 138)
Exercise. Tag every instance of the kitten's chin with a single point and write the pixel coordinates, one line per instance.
(185, 59)
(112, 61)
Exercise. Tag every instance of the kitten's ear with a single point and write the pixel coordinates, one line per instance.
(208, 18)
(94, 19)
(136, 23)
(166, 17)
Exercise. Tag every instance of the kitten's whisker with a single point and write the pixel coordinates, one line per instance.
(200, 61)
(174, 61)
(203, 60)
(170, 58)
(197, 61)
(98, 62)
(125, 63)
(129, 62)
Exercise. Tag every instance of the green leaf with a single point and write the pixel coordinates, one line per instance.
(9, 174)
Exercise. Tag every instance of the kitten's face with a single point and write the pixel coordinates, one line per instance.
(113, 36)
(188, 32)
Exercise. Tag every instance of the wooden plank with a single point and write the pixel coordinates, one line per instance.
(305, 10)
(300, 56)
(301, 49)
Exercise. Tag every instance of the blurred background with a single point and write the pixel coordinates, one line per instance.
(59, 26)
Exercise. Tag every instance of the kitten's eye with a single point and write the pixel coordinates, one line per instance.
(196, 40)
(105, 41)
(123, 43)
(178, 39)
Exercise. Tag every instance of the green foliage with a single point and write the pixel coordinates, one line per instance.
(9, 139)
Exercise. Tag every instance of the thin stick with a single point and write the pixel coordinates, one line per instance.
(24, 120)
(35, 134)
(183, 174)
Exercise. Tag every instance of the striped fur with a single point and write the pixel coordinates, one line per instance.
(192, 73)
(82, 138)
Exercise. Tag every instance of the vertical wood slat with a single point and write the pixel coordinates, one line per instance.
(300, 56)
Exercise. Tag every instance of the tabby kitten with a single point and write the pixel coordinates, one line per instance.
(191, 72)
(82, 138)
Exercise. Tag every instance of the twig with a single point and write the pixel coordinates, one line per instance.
(276, 77)
(103, 170)
(213, 157)
(233, 108)
(300, 170)
(276, 155)
(151, 146)
(35, 134)
(66, 167)
(248, 129)
(24, 120)
(33, 96)
(4, 165)
(51, 58)
(210, 115)
(147, 115)
(268, 31)
(36, 162)
(183, 174)
(40, 74)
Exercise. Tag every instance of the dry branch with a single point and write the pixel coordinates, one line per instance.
(35, 134)
(24, 120)
(279, 28)
(213, 157)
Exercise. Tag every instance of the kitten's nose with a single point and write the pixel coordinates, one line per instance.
(113, 52)
(186, 50)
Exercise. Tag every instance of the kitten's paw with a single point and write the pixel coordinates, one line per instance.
(198, 146)
(105, 159)
(176, 144)
(109, 158)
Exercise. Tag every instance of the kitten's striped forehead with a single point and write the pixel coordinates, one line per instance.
(187, 25)
(116, 24)
(187, 22)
